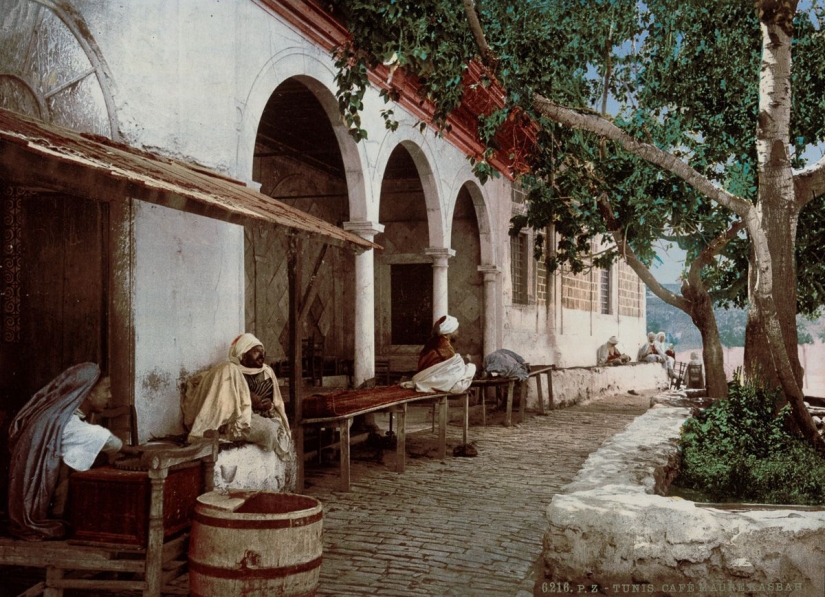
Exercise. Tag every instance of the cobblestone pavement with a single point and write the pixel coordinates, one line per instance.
(462, 527)
(469, 527)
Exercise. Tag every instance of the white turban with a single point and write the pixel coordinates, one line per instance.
(613, 340)
(242, 344)
(448, 326)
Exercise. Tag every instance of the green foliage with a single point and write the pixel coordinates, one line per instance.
(682, 75)
(738, 449)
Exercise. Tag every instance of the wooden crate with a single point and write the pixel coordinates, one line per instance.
(108, 505)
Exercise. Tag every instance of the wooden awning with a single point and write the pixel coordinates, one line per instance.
(36, 154)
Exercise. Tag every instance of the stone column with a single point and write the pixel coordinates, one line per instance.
(364, 362)
(441, 288)
(491, 300)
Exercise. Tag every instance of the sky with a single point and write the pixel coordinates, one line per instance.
(673, 259)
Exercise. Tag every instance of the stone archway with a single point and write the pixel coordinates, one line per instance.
(466, 282)
(297, 160)
(403, 270)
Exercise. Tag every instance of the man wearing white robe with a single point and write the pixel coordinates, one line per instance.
(449, 373)
(220, 399)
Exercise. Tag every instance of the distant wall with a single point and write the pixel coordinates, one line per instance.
(577, 384)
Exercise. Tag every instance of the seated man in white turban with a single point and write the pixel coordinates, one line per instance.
(608, 355)
(240, 399)
(661, 347)
(649, 351)
(440, 368)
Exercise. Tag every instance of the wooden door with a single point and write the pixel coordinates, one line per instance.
(57, 296)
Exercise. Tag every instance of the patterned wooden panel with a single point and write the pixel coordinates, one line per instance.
(267, 289)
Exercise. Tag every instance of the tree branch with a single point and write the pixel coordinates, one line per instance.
(809, 183)
(488, 57)
(634, 262)
(710, 251)
(650, 153)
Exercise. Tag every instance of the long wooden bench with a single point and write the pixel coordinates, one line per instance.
(68, 564)
(536, 371)
(337, 410)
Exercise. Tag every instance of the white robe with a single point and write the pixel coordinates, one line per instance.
(220, 396)
(82, 442)
(453, 376)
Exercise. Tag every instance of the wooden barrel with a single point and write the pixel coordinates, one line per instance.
(255, 544)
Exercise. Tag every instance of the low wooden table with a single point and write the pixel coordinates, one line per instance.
(535, 371)
(159, 562)
(385, 399)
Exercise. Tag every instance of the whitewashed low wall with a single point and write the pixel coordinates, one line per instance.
(613, 530)
(247, 466)
(577, 384)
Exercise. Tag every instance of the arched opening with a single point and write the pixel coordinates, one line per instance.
(466, 283)
(298, 161)
(403, 271)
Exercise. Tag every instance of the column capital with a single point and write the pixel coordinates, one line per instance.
(440, 255)
(364, 229)
(491, 272)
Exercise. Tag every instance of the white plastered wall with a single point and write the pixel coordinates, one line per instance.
(191, 80)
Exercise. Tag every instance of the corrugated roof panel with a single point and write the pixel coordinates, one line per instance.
(171, 182)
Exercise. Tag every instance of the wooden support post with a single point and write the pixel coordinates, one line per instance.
(550, 396)
(154, 545)
(209, 463)
(522, 405)
(295, 356)
(508, 417)
(466, 399)
(53, 577)
(442, 427)
(401, 439)
(299, 451)
(540, 393)
(483, 393)
(345, 472)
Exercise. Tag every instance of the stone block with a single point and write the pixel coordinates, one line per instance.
(612, 526)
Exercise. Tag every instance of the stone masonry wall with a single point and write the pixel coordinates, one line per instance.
(577, 384)
(613, 529)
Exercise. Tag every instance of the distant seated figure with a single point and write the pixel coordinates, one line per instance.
(695, 373)
(608, 355)
(440, 369)
(649, 351)
(48, 437)
(661, 347)
(240, 399)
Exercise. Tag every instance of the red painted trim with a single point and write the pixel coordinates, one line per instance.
(312, 20)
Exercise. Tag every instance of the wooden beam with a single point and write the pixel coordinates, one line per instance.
(311, 289)
(295, 350)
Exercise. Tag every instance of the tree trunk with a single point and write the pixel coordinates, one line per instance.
(701, 312)
(779, 224)
(775, 215)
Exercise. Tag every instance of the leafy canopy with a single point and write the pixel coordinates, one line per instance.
(682, 75)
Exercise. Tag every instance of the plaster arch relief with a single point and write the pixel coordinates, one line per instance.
(482, 204)
(318, 76)
(426, 163)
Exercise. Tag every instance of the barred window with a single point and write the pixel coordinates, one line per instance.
(518, 268)
(604, 291)
(541, 281)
